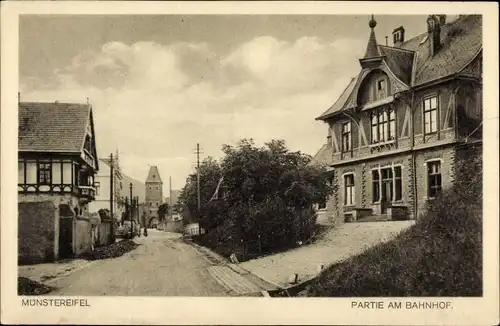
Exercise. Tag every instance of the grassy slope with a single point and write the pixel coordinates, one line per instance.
(441, 255)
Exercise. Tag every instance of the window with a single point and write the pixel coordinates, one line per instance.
(88, 144)
(97, 186)
(44, 173)
(381, 85)
(391, 182)
(322, 204)
(20, 172)
(375, 186)
(392, 125)
(430, 115)
(398, 183)
(383, 125)
(346, 136)
(433, 179)
(381, 89)
(349, 189)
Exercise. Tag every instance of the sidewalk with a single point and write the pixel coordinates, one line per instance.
(47, 272)
(337, 244)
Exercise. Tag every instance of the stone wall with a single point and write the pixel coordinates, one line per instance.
(104, 230)
(37, 232)
(174, 226)
(81, 236)
(447, 157)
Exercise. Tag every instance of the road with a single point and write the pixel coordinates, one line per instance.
(163, 265)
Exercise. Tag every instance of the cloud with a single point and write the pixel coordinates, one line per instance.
(155, 102)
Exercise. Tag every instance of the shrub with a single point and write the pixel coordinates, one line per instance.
(260, 198)
(441, 255)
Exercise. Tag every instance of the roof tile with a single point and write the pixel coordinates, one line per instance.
(52, 127)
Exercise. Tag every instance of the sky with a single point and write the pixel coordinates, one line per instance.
(160, 84)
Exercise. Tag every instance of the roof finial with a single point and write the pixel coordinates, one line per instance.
(88, 101)
(372, 23)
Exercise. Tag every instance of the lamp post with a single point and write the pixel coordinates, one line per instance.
(130, 212)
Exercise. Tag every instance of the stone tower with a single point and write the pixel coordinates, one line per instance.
(154, 192)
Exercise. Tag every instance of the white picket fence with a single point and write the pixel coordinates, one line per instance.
(193, 229)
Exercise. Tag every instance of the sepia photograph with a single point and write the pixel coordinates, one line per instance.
(250, 155)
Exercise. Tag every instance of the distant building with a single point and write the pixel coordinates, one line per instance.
(102, 186)
(154, 195)
(57, 163)
(396, 132)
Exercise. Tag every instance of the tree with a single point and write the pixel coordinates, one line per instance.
(163, 211)
(267, 194)
(210, 173)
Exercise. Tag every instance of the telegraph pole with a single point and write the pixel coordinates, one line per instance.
(198, 186)
(130, 212)
(170, 199)
(111, 197)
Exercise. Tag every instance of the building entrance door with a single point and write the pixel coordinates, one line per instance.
(386, 194)
(66, 237)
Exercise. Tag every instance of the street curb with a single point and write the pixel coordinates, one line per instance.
(226, 262)
(52, 280)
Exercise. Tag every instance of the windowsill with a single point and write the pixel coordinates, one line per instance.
(396, 202)
(382, 143)
(350, 205)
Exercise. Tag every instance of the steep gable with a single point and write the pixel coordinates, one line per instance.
(52, 127)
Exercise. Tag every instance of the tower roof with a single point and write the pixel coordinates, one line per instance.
(372, 50)
(154, 175)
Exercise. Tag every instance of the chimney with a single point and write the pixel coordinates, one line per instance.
(442, 19)
(398, 36)
(434, 34)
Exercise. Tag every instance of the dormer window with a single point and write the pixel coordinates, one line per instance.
(381, 85)
(381, 89)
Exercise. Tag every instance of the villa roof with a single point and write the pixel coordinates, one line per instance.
(411, 64)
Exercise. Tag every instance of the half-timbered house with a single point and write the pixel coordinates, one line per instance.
(57, 161)
(396, 131)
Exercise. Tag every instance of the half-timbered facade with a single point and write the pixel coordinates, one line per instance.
(57, 153)
(395, 132)
(57, 162)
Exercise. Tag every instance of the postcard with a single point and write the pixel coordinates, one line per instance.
(249, 163)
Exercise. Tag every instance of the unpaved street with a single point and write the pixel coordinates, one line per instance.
(162, 265)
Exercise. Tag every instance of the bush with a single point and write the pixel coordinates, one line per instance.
(25, 286)
(256, 200)
(441, 255)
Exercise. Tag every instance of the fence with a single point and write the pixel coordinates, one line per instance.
(193, 229)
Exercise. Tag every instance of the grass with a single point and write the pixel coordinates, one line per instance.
(225, 249)
(441, 255)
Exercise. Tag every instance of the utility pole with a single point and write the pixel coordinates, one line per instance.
(170, 199)
(111, 197)
(130, 212)
(198, 186)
